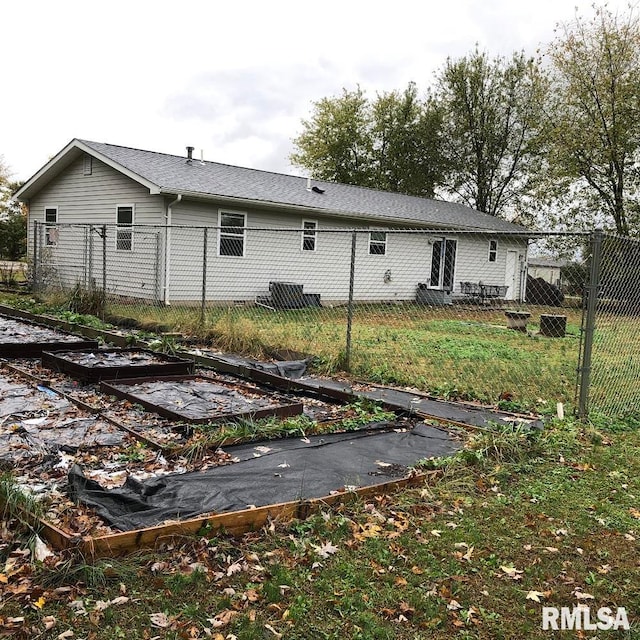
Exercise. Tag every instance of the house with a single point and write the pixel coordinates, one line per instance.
(179, 229)
(549, 269)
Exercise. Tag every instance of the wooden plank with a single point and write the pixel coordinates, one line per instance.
(282, 408)
(83, 405)
(88, 332)
(55, 536)
(237, 522)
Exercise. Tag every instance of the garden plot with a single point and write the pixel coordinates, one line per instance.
(197, 399)
(286, 470)
(24, 339)
(110, 364)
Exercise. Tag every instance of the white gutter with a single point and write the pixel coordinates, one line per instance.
(167, 249)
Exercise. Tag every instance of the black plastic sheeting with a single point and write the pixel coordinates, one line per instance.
(23, 439)
(266, 473)
(394, 399)
(292, 369)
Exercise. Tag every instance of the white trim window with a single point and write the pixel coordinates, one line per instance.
(231, 239)
(377, 243)
(493, 250)
(309, 235)
(124, 227)
(51, 226)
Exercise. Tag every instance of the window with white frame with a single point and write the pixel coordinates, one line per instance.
(493, 250)
(124, 227)
(51, 228)
(309, 235)
(232, 234)
(377, 243)
(87, 166)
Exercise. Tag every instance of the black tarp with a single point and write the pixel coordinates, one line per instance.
(266, 473)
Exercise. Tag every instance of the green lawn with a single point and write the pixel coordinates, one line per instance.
(513, 524)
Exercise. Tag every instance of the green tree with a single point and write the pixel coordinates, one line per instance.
(406, 143)
(595, 120)
(390, 143)
(13, 221)
(335, 143)
(492, 129)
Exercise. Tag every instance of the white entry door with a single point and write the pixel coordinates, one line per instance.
(511, 274)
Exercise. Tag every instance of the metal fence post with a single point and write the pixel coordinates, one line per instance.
(35, 255)
(204, 276)
(589, 323)
(347, 355)
(104, 268)
(91, 285)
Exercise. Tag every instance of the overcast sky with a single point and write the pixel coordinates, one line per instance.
(233, 79)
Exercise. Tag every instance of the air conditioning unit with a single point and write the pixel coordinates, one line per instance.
(287, 295)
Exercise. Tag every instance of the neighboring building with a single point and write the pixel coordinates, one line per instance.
(548, 269)
(262, 227)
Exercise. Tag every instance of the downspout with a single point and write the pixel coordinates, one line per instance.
(167, 249)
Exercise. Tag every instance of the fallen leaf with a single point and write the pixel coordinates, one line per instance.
(325, 550)
(436, 532)
(454, 605)
(49, 622)
(275, 633)
(222, 619)
(512, 572)
(41, 550)
(580, 595)
(65, 634)
(159, 620)
(535, 595)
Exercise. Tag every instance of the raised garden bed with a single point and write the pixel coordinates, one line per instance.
(96, 365)
(23, 339)
(199, 399)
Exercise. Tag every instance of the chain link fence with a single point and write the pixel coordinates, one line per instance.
(455, 314)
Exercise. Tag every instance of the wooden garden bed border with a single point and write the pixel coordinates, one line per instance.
(233, 522)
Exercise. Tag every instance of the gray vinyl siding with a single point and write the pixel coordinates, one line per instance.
(472, 262)
(274, 254)
(92, 199)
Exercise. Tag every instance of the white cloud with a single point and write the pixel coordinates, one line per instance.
(234, 79)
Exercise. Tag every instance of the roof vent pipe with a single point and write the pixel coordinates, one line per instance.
(308, 184)
(189, 154)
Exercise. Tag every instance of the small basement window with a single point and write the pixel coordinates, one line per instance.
(50, 229)
(309, 235)
(232, 234)
(493, 250)
(377, 243)
(124, 227)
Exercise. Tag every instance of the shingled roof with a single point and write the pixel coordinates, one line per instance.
(172, 175)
